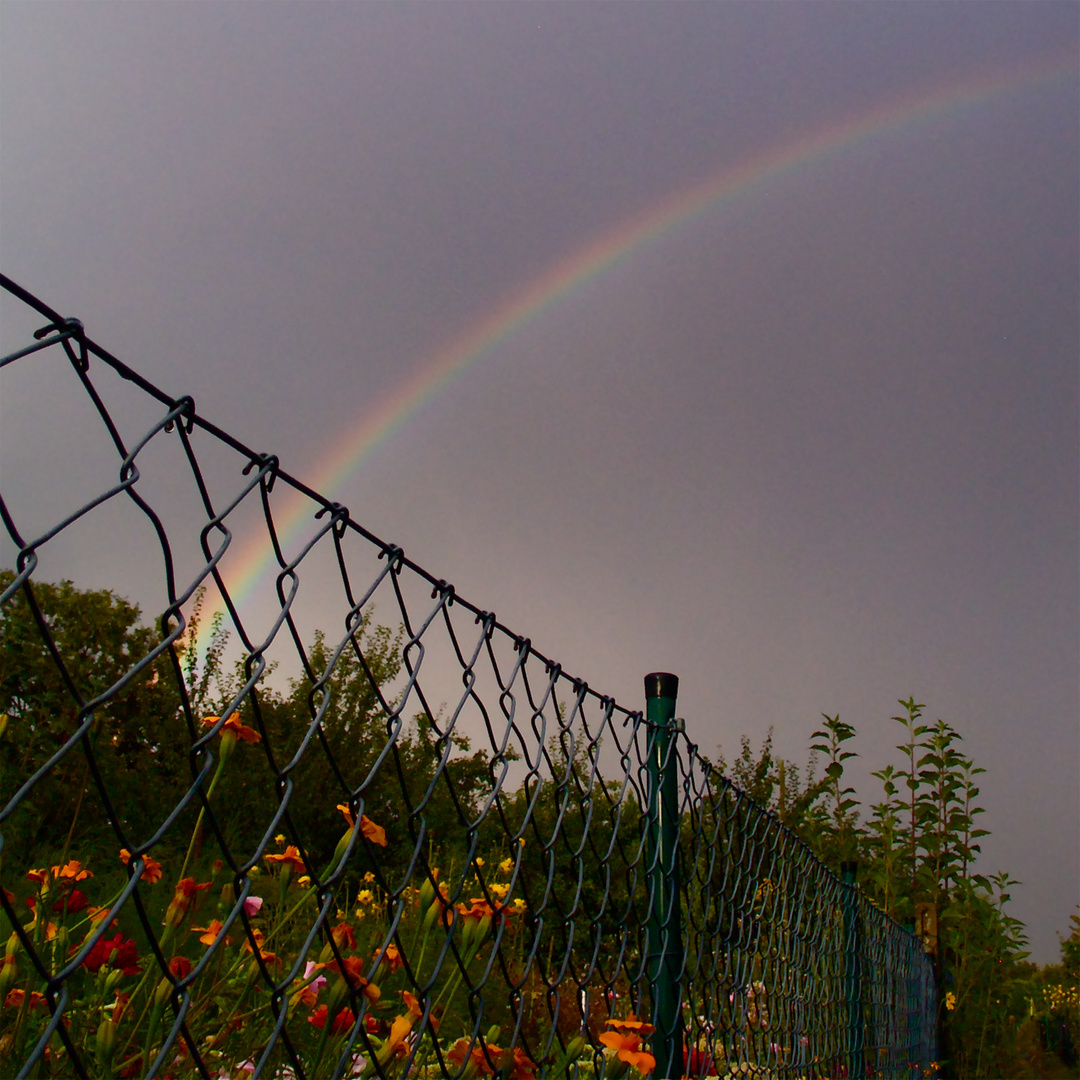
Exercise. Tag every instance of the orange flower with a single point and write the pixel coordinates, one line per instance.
(183, 900)
(151, 867)
(343, 935)
(632, 1025)
(628, 1048)
(16, 997)
(393, 957)
(349, 969)
(235, 728)
(290, 857)
(260, 937)
(210, 933)
(395, 1044)
(459, 1052)
(40, 876)
(522, 1067)
(72, 870)
(375, 833)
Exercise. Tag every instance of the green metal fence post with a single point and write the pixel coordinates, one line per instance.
(664, 945)
(852, 972)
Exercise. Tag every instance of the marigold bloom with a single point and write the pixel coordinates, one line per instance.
(187, 892)
(151, 867)
(628, 1048)
(289, 857)
(210, 933)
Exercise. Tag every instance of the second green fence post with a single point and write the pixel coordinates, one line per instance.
(665, 947)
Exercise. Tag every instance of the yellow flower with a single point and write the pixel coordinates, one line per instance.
(279, 839)
(479, 862)
(950, 1001)
(498, 891)
(369, 877)
(365, 896)
(506, 866)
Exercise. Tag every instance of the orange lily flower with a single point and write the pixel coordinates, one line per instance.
(459, 1052)
(210, 933)
(187, 892)
(393, 957)
(16, 997)
(291, 857)
(632, 1025)
(343, 935)
(349, 969)
(375, 833)
(234, 727)
(395, 1044)
(628, 1048)
(73, 870)
(151, 867)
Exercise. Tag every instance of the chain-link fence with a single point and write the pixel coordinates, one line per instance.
(348, 824)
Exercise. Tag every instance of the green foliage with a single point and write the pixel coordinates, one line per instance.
(916, 851)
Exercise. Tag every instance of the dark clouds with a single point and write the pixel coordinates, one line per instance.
(814, 452)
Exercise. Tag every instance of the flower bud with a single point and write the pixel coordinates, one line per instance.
(105, 1041)
(9, 972)
(113, 979)
(576, 1047)
(161, 992)
(493, 1033)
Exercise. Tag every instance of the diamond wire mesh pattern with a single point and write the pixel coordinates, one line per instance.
(373, 895)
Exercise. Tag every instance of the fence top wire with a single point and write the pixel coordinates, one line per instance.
(507, 912)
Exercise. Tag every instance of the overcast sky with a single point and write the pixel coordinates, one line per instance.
(813, 451)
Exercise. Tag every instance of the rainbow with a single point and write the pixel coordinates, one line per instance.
(721, 189)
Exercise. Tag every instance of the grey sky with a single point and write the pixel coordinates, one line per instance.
(815, 452)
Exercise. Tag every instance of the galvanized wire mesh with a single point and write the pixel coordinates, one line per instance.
(330, 879)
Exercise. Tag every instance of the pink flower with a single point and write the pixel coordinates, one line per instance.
(252, 905)
(318, 982)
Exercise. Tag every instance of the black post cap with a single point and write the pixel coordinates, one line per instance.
(661, 684)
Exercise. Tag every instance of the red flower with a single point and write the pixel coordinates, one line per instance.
(179, 967)
(342, 1022)
(75, 901)
(119, 954)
